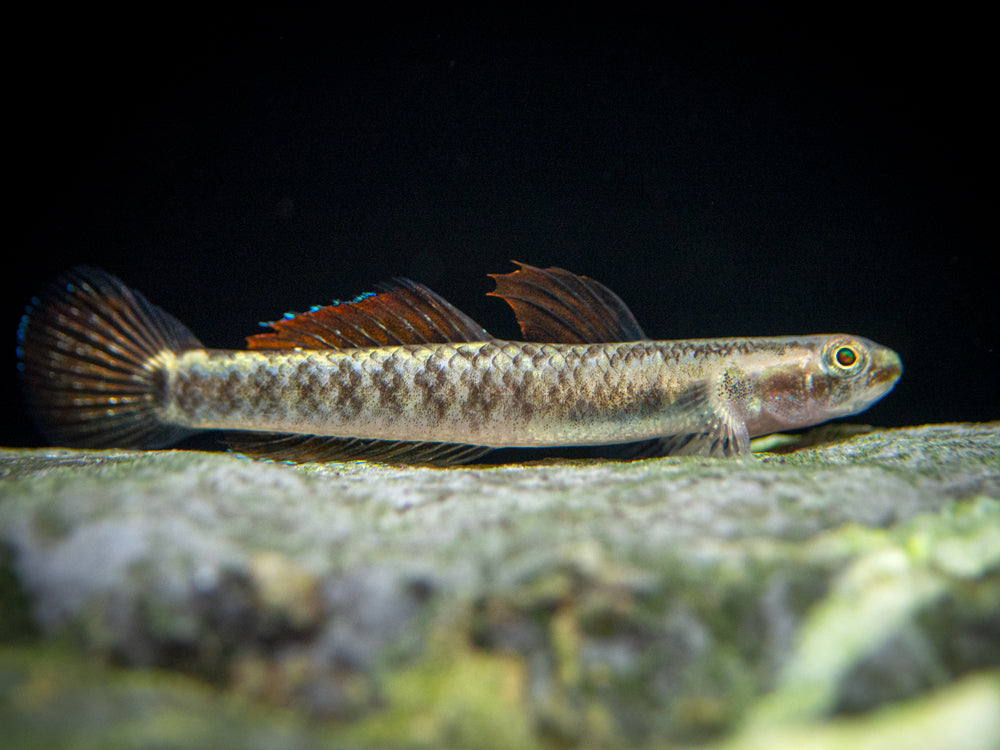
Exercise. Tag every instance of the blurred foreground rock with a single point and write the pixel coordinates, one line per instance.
(837, 595)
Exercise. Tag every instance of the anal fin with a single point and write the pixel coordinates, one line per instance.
(320, 448)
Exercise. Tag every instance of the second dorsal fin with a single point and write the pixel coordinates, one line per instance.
(401, 312)
(556, 306)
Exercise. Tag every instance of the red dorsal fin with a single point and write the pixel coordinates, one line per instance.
(556, 306)
(401, 312)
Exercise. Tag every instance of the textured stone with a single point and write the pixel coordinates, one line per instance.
(844, 582)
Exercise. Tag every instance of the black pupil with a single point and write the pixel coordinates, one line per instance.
(846, 357)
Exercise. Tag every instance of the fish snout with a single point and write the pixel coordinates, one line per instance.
(886, 368)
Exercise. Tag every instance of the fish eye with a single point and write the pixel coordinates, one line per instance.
(844, 357)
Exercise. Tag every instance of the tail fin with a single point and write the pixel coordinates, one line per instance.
(90, 351)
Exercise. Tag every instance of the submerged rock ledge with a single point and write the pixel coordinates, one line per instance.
(843, 590)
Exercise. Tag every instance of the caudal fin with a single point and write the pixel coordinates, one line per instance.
(91, 354)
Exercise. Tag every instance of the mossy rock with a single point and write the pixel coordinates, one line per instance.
(844, 586)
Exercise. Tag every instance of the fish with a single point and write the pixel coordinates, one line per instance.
(400, 375)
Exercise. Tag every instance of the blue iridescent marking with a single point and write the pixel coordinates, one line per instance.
(317, 308)
(356, 300)
(22, 328)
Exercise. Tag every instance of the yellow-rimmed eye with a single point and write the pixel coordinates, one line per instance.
(844, 357)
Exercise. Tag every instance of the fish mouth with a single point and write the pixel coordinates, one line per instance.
(885, 370)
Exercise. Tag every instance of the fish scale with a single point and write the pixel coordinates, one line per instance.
(487, 393)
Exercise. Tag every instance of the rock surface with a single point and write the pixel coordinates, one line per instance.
(846, 592)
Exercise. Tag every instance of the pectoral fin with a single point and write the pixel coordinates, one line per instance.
(711, 429)
(718, 443)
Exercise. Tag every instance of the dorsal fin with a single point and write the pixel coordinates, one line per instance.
(402, 312)
(556, 306)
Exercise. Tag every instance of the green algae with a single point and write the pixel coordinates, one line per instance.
(16, 625)
(889, 580)
(53, 698)
(454, 696)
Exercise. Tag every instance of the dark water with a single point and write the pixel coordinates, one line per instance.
(727, 173)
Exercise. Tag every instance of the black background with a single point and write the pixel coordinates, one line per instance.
(727, 172)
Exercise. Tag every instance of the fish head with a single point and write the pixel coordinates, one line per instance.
(827, 377)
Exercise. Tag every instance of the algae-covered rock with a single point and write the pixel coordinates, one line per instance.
(843, 581)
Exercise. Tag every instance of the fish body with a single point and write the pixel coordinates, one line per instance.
(404, 376)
